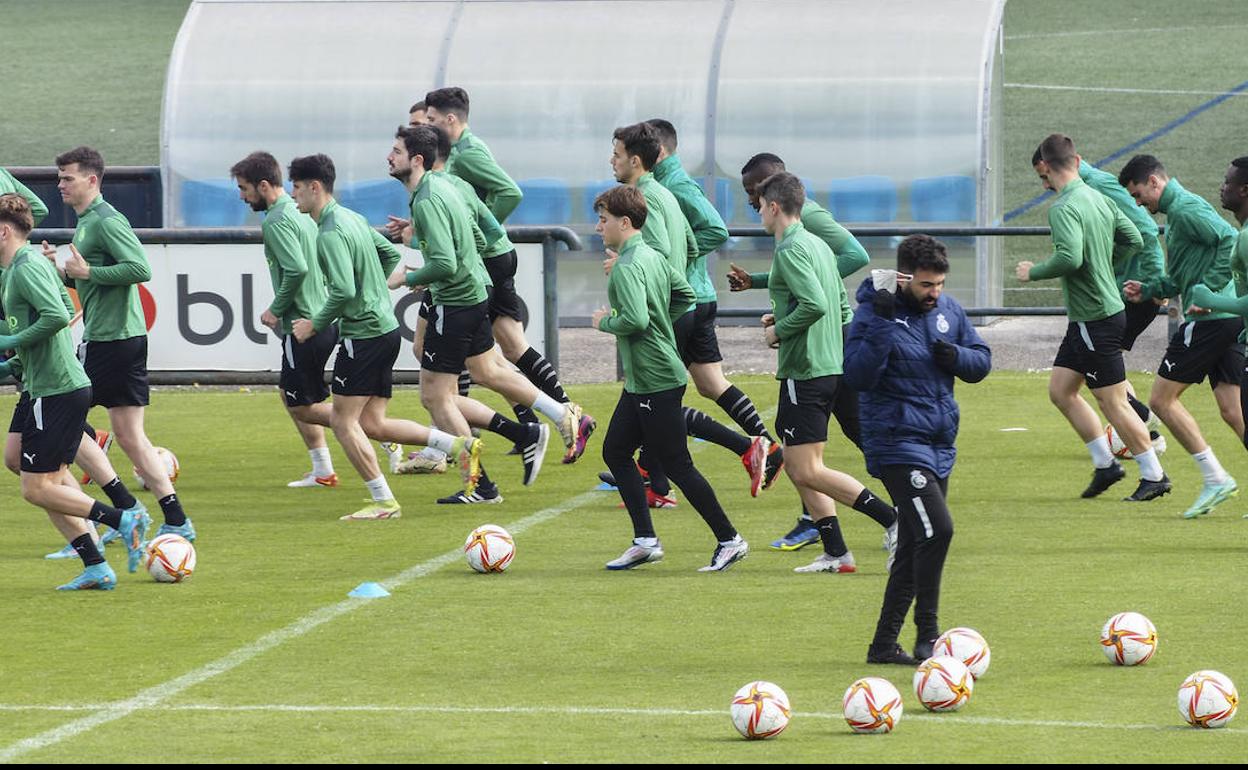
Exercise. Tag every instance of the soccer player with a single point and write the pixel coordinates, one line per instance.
(1199, 244)
(806, 297)
(459, 224)
(107, 264)
(355, 260)
(904, 350)
(59, 399)
(850, 257)
(471, 160)
(298, 292)
(1147, 265)
(416, 115)
(1089, 235)
(646, 293)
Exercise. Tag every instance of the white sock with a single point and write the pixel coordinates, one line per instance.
(322, 465)
(379, 489)
(1099, 449)
(549, 407)
(441, 440)
(1150, 466)
(648, 542)
(432, 454)
(1209, 466)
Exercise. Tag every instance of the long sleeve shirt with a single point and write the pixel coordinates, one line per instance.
(355, 261)
(471, 160)
(9, 184)
(290, 251)
(35, 311)
(1199, 244)
(111, 309)
(806, 295)
(709, 230)
(442, 228)
(1202, 296)
(1150, 262)
(666, 230)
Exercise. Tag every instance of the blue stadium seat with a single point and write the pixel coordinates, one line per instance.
(212, 203)
(375, 199)
(863, 199)
(943, 199)
(546, 202)
(592, 191)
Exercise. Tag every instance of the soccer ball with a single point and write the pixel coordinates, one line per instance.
(760, 710)
(1208, 699)
(1116, 446)
(1128, 639)
(171, 467)
(170, 559)
(943, 683)
(872, 705)
(489, 548)
(966, 645)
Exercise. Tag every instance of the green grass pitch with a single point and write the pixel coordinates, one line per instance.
(558, 659)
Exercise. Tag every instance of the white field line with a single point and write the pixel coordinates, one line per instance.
(1125, 30)
(1112, 90)
(156, 695)
(947, 719)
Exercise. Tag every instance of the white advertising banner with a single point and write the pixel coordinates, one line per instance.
(204, 302)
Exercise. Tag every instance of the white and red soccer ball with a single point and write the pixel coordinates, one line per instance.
(489, 548)
(943, 683)
(760, 710)
(872, 705)
(968, 646)
(170, 559)
(1208, 699)
(1128, 639)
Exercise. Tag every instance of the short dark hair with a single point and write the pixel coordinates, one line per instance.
(15, 210)
(258, 167)
(922, 252)
(1058, 150)
(1241, 163)
(667, 133)
(765, 161)
(642, 140)
(314, 168)
(453, 99)
(1139, 169)
(1036, 157)
(417, 107)
(623, 201)
(87, 158)
(420, 140)
(786, 189)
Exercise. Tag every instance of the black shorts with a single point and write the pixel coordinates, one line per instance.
(682, 329)
(1094, 349)
(1139, 316)
(453, 334)
(426, 302)
(1202, 349)
(701, 346)
(804, 408)
(118, 371)
(303, 367)
(52, 430)
(365, 367)
(504, 301)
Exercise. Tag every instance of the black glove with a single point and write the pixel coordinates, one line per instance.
(945, 356)
(885, 303)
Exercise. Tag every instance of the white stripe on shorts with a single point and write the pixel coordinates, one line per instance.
(289, 345)
(439, 324)
(37, 410)
(1187, 334)
(792, 386)
(927, 523)
(1087, 338)
(348, 346)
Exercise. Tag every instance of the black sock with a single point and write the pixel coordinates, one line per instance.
(880, 512)
(118, 494)
(1140, 408)
(700, 425)
(541, 373)
(172, 509)
(830, 534)
(509, 429)
(524, 414)
(87, 551)
(741, 409)
(105, 515)
(465, 381)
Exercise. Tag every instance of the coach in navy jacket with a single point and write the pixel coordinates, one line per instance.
(903, 352)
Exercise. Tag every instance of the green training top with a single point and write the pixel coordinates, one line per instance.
(666, 230)
(472, 161)
(9, 184)
(355, 261)
(1201, 296)
(1149, 263)
(110, 297)
(442, 230)
(805, 294)
(1090, 234)
(646, 294)
(491, 238)
(1199, 243)
(709, 231)
(34, 302)
(290, 250)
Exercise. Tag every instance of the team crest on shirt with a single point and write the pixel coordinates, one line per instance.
(420, 246)
(942, 323)
(917, 479)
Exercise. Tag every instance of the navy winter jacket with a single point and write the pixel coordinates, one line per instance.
(906, 404)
